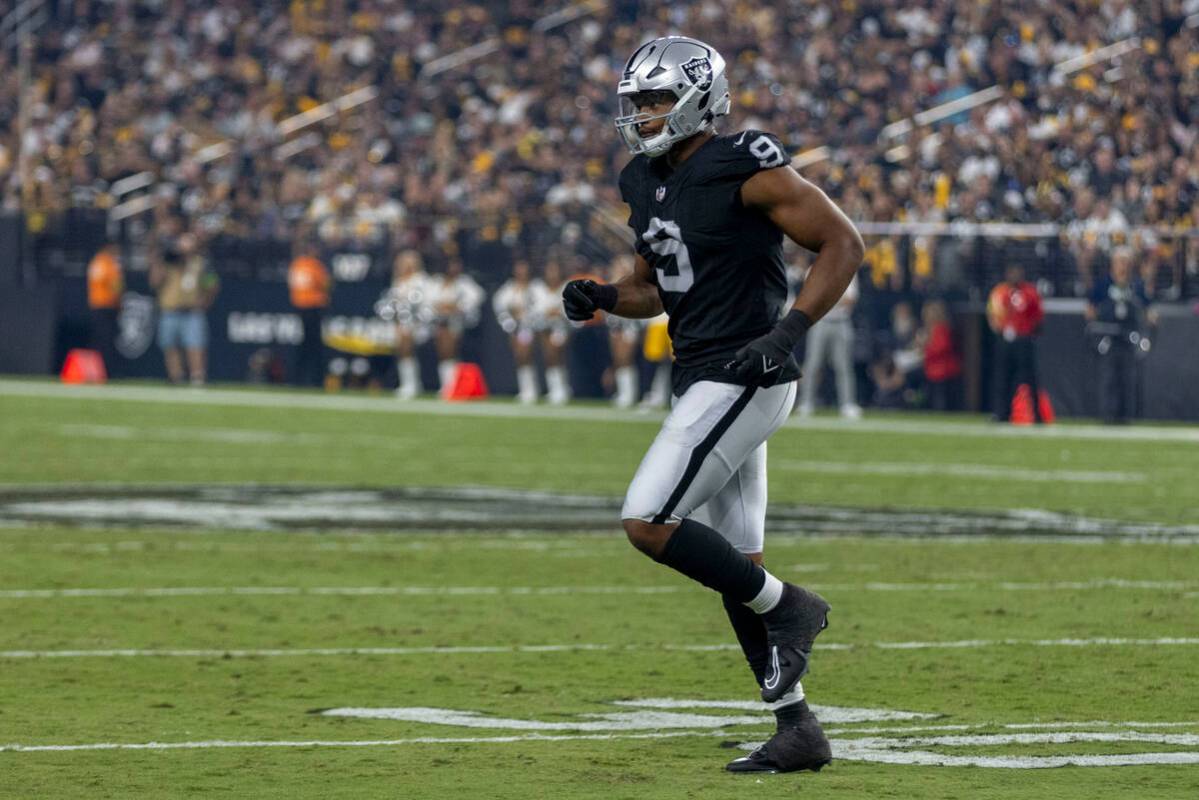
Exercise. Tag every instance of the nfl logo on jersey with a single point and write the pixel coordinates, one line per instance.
(660, 195)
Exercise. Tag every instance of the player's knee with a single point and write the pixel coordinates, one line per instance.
(646, 536)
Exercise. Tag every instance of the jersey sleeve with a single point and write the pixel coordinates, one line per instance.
(748, 153)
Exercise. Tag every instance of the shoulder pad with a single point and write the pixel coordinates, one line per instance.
(748, 152)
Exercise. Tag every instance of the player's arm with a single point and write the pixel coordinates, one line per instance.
(634, 296)
(809, 218)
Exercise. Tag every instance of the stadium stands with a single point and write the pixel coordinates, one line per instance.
(483, 129)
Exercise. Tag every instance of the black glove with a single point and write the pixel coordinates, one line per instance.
(582, 299)
(760, 362)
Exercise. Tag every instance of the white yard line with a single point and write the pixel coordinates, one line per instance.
(295, 400)
(268, 591)
(845, 743)
(343, 542)
(982, 471)
(421, 591)
(246, 436)
(216, 744)
(965, 644)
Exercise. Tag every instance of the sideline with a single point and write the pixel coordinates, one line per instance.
(277, 399)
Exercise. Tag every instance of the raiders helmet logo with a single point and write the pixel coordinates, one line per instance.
(699, 71)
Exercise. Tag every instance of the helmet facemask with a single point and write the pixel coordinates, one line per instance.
(632, 118)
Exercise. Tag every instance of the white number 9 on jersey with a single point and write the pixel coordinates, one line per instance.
(665, 239)
(767, 152)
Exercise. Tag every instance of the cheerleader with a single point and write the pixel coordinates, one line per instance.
(623, 337)
(455, 298)
(554, 334)
(517, 305)
(407, 304)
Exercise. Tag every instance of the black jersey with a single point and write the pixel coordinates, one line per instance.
(718, 265)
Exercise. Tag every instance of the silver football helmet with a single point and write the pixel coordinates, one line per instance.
(690, 72)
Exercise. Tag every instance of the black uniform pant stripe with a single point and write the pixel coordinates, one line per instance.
(701, 452)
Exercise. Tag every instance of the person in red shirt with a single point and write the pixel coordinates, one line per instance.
(942, 364)
(1014, 313)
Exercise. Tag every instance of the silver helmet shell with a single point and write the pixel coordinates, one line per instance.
(692, 72)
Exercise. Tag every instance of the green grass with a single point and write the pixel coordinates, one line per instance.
(79, 440)
(883, 590)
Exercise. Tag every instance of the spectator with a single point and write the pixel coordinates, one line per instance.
(1119, 318)
(309, 286)
(889, 381)
(105, 285)
(906, 349)
(186, 288)
(1014, 314)
(942, 363)
(495, 157)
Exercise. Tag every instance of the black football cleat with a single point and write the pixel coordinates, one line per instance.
(792, 749)
(791, 627)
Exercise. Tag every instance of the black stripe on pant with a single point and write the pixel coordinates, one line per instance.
(701, 452)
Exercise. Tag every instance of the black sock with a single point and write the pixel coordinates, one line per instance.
(751, 634)
(704, 555)
(790, 716)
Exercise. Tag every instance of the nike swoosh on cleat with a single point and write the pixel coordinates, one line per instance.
(772, 677)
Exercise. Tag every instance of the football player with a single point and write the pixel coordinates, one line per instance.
(709, 212)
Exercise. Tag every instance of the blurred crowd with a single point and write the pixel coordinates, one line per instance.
(517, 145)
(483, 131)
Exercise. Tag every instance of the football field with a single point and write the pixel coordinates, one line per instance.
(253, 593)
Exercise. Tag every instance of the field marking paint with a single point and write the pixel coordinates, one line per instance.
(248, 436)
(983, 471)
(323, 591)
(966, 644)
(218, 743)
(276, 400)
(322, 508)
(896, 750)
(649, 716)
(453, 591)
(870, 749)
(371, 543)
(1093, 642)
(834, 715)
